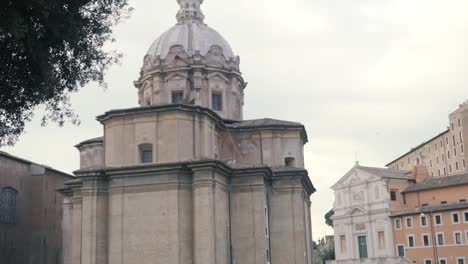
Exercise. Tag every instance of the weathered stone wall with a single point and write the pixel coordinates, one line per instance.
(191, 135)
(194, 212)
(36, 237)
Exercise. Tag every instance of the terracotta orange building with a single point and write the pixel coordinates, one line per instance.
(430, 219)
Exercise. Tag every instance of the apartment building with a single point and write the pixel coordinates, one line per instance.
(444, 154)
(432, 226)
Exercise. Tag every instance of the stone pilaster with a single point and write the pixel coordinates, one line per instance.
(291, 188)
(95, 218)
(67, 225)
(210, 214)
(250, 216)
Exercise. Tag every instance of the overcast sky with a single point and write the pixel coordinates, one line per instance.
(372, 77)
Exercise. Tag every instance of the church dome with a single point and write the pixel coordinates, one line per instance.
(192, 64)
(190, 33)
(193, 37)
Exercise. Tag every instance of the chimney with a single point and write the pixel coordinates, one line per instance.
(420, 172)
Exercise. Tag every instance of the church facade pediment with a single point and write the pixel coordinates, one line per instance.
(356, 210)
(353, 177)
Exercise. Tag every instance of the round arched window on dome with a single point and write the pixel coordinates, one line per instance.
(8, 205)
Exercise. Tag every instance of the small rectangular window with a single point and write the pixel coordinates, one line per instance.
(267, 227)
(442, 261)
(423, 221)
(217, 102)
(461, 260)
(465, 214)
(409, 222)
(393, 195)
(458, 238)
(410, 241)
(8, 205)
(398, 223)
(146, 153)
(428, 261)
(426, 240)
(455, 218)
(440, 239)
(438, 219)
(177, 97)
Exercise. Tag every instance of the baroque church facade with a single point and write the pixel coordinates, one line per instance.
(183, 178)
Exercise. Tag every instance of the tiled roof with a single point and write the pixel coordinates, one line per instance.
(387, 173)
(439, 182)
(264, 122)
(432, 208)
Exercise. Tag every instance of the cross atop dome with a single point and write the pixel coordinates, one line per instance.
(190, 11)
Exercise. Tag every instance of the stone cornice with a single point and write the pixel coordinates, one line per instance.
(224, 125)
(136, 170)
(288, 173)
(158, 109)
(277, 174)
(90, 142)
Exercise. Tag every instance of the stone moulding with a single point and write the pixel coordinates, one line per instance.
(222, 124)
(297, 176)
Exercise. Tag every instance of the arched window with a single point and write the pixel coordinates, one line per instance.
(290, 162)
(7, 205)
(146, 153)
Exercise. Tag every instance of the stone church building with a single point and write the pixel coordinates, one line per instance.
(183, 178)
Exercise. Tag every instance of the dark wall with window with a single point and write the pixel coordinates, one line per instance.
(30, 212)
